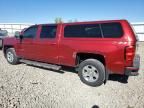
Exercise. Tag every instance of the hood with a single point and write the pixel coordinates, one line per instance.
(9, 40)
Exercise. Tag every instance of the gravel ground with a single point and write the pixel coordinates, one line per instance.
(23, 86)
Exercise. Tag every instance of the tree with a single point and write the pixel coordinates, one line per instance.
(70, 21)
(74, 20)
(58, 20)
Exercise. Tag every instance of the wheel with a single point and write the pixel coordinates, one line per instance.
(92, 72)
(11, 56)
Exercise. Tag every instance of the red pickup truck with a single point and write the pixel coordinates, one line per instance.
(96, 49)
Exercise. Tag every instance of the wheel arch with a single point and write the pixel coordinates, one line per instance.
(5, 47)
(102, 58)
(81, 56)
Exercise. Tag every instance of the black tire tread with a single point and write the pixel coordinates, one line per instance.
(99, 66)
(16, 59)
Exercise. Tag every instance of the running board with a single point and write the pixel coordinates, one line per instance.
(40, 64)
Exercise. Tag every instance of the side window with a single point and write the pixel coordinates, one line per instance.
(112, 30)
(48, 31)
(83, 31)
(30, 32)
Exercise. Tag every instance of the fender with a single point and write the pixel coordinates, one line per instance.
(9, 41)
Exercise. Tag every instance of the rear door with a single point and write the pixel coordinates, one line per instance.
(47, 47)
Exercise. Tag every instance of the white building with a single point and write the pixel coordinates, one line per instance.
(13, 27)
(139, 29)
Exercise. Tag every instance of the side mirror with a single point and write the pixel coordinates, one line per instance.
(21, 36)
(17, 34)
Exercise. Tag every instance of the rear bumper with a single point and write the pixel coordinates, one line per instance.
(133, 71)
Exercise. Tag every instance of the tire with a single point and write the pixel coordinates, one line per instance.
(92, 72)
(11, 56)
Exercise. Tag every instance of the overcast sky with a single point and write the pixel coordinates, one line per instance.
(45, 11)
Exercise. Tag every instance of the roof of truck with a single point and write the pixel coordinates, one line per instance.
(101, 21)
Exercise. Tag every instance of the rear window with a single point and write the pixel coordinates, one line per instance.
(112, 30)
(105, 30)
(83, 31)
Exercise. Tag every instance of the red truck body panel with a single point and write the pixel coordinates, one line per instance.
(63, 51)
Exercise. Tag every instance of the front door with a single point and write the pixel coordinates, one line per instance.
(26, 46)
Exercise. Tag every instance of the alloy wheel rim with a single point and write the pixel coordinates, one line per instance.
(10, 57)
(90, 73)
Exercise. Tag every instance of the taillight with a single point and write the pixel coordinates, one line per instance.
(129, 53)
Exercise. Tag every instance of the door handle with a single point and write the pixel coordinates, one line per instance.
(52, 43)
